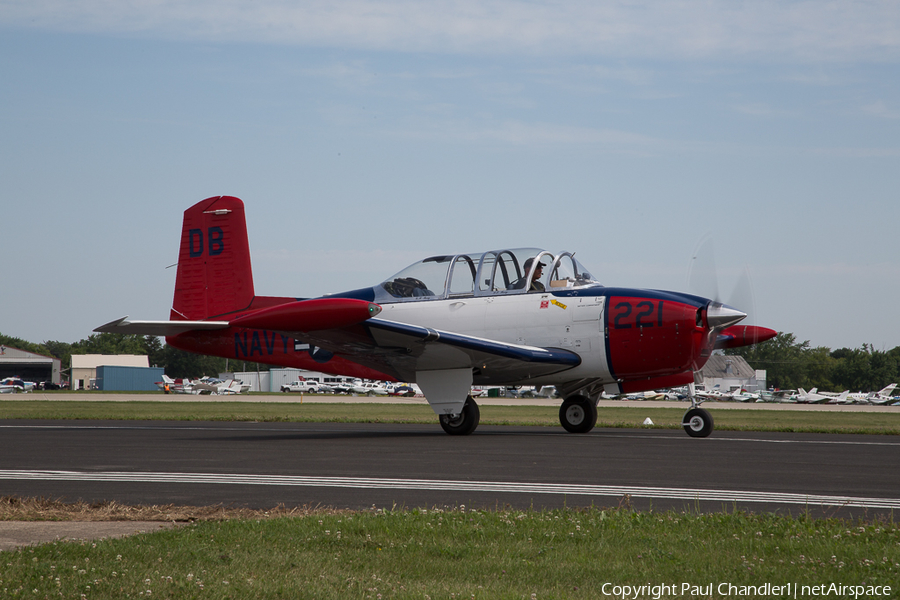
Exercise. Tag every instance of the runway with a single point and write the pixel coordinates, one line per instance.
(359, 466)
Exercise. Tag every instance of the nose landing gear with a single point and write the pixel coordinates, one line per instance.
(697, 422)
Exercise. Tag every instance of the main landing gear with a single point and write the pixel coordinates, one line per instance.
(578, 414)
(465, 422)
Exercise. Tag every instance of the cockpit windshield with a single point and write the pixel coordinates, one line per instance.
(426, 278)
(498, 272)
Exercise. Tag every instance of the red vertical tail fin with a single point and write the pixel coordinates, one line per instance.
(214, 275)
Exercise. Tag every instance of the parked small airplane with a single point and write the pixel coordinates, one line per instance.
(883, 396)
(209, 385)
(201, 386)
(14, 384)
(740, 395)
(715, 393)
(504, 317)
(814, 397)
(779, 396)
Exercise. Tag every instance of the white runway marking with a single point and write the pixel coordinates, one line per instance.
(450, 485)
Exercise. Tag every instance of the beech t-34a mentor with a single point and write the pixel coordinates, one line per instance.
(506, 317)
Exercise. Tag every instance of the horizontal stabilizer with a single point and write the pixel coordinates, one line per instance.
(165, 328)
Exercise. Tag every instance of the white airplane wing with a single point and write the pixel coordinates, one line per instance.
(400, 350)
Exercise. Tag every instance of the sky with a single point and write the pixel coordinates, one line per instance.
(366, 135)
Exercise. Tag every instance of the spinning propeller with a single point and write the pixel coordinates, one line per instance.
(723, 318)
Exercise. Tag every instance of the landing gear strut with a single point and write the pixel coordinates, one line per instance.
(578, 414)
(465, 422)
(697, 422)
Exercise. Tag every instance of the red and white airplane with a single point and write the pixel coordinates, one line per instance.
(448, 323)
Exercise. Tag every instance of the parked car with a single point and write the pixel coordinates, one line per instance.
(304, 387)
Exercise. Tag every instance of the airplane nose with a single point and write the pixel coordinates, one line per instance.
(720, 316)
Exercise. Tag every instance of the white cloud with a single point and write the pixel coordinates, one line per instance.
(838, 30)
(759, 109)
(536, 134)
(881, 110)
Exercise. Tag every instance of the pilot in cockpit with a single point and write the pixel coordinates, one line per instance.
(535, 285)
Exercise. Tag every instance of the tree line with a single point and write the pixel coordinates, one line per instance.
(789, 364)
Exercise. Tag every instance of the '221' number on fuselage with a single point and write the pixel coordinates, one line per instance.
(642, 318)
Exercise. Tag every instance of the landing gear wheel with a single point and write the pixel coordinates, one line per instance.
(578, 414)
(465, 422)
(697, 422)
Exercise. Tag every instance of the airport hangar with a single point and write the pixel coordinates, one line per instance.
(116, 372)
(29, 366)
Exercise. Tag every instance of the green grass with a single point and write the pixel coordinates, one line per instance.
(460, 553)
(625, 416)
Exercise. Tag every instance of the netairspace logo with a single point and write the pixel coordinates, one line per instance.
(727, 590)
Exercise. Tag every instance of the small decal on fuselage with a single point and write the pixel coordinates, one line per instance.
(558, 303)
(545, 304)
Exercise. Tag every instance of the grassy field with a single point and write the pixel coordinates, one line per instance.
(452, 552)
(460, 553)
(310, 411)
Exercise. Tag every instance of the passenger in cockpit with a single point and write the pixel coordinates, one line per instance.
(535, 285)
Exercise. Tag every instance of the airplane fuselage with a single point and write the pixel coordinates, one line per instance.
(621, 335)
(514, 316)
(628, 340)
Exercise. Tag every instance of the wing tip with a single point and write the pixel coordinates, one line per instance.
(112, 325)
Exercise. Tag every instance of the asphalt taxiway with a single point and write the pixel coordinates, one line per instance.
(359, 466)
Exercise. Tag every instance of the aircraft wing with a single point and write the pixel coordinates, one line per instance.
(164, 328)
(400, 349)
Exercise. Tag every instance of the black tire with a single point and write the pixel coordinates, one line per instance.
(578, 414)
(697, 422)
(465, 422)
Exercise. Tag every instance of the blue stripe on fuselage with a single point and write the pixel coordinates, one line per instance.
(689, 299)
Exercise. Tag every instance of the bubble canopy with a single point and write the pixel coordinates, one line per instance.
(493, 273)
